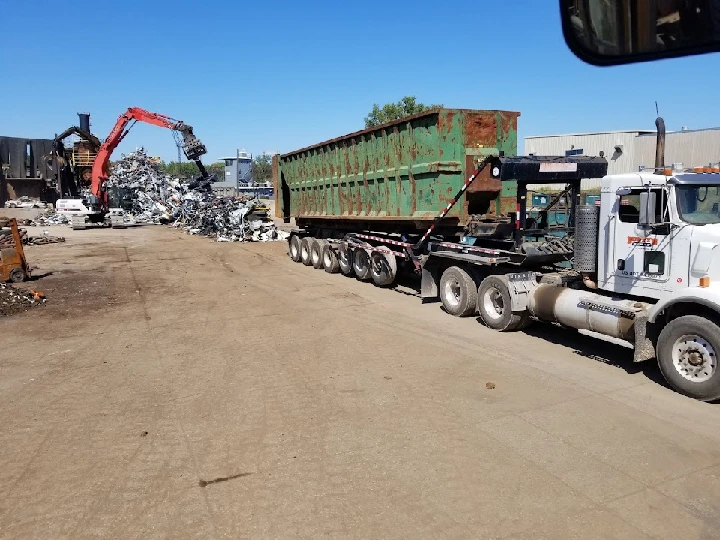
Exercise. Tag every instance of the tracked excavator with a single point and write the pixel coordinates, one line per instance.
(97, 205)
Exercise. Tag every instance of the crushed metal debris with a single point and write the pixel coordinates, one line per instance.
(51, 217)
(192, 206)
(14, 300)
(6, 239)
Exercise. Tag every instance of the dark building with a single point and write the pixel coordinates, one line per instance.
(25, 169)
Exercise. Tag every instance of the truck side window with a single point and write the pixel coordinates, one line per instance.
(629, 210)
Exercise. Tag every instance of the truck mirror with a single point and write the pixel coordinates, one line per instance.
(648, 201)
(624, 191)
(606, 33)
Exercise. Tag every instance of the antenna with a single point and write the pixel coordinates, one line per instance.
(657, 111)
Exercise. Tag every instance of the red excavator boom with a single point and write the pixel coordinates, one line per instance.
(192, 147)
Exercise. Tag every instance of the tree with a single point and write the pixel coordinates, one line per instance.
(188, 169)
(262, 168)
(184, 169)
(218, 169)
(394, 111)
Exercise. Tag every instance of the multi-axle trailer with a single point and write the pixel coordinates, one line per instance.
(639, 265)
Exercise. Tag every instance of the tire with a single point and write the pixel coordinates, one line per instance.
(361, 264)
(316, 253)
(345, 259)
(687, 353)
(494, 304)
(305, 250)
(330, 260)
(294, 248)
(17, 275)
(383, 268)
(458, 292)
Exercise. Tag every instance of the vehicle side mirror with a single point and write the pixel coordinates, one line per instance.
(606, 33)
(648, 202)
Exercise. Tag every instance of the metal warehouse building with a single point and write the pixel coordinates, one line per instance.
(692, 148)
(631, 150)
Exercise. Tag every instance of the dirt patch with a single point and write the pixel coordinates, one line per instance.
(14, 300)
(81, 292)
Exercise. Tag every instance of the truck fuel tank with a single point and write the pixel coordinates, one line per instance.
(586, 310)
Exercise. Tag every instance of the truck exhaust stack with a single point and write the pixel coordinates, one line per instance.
(660, 145)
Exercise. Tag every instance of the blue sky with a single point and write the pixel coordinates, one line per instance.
(281, 76)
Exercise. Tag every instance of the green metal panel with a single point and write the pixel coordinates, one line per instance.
(405, 170)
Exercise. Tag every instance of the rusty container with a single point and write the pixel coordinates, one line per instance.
(397, 176)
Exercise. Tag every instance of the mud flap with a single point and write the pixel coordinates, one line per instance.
(644, 346)
(429, 282)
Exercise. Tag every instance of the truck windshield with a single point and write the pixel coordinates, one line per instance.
(699, 205)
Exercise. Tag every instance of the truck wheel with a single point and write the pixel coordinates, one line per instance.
(316, 253)
(330, 260)
(687, 352)
(383, 268)
(294, 248)
(17, 275)
(305, 248)
(345, 258)
(458, 292)
(361, 264)
(495, 304)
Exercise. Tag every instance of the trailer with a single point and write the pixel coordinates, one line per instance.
(642, 265)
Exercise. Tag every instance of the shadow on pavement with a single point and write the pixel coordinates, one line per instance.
(597, 349)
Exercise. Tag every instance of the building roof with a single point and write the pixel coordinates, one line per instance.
(638, 131)
(688, 130)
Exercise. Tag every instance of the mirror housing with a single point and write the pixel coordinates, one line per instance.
(624, 191)
(648, 202)
(606, 33)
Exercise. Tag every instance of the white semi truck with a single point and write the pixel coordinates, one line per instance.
(642, 264)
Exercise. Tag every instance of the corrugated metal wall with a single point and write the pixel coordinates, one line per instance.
(591, 145)
(691, 148)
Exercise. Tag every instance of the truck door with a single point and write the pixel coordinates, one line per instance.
(641, 254)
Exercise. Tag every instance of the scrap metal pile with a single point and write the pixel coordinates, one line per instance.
(50, 217)
(13, 300)
(192, 206)
(6, 239)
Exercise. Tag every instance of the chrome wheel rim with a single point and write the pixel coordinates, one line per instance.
(694, 358)
(493, 305)
(451, 292)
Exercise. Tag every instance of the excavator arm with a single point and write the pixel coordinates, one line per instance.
(192, 147)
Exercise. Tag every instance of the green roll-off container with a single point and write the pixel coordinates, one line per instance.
(397, 177)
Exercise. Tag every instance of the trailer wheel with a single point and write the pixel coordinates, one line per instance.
(494, 304)
(383, 268)
(330, 260)
(294, 248)
(687, 352)
(17, 275)
(305, 250)
(345, 259)
(361, 264)
(458, 292)
(316, 253)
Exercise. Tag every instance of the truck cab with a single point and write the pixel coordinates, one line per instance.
(658, 235)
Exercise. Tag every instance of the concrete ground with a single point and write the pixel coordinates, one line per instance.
(174, 387)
